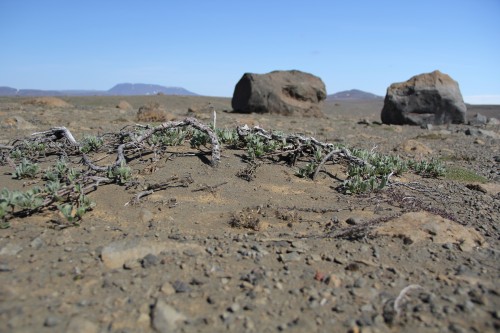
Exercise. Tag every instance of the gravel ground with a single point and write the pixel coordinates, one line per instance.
(279, 253)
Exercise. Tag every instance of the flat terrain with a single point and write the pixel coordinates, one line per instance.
(277, 253)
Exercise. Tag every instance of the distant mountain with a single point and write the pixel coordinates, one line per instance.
(7, 91)
(121, 89)
(146, 89)
(353, 95)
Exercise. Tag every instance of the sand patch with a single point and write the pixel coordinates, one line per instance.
(423, 226)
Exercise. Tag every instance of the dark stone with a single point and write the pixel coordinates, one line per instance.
(180, 287)
(51, 321)
(431, 98)
(354, 221)
(150, 260)
(280, 92)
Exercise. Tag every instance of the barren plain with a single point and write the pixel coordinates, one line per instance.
(271, 253)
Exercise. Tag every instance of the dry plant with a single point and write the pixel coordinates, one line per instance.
(82, 166)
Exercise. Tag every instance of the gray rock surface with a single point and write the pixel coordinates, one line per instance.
(430, 98)
(279, 92)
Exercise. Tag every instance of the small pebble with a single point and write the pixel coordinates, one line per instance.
(354, 221)
(180, 287)
(51, 321)
(149, 261)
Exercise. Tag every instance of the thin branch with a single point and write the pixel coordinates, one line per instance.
(57, 133)
(402, 294)
(150, 189)
(210, 188)
(323, 161)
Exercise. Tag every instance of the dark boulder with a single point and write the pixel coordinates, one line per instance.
(280, 92)
(431, 98)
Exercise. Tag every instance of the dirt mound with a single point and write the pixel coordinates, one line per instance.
(47, 101)
(154, 112)
(124, 105)
(421, 226)
(16, 122)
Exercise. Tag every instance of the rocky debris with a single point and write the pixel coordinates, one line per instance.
(280, 92)
(165, 317)
(478, 119)
(482, 132)
(47, 102)
(493, 121)
(154, 112)
(430, 98)
(420, 226)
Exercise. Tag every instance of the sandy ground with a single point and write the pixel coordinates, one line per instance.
(424, 258)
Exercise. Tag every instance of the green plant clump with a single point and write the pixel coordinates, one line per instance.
(26, 169)
(91, 143)
(433, 168)
(120, 174)
(73, 212)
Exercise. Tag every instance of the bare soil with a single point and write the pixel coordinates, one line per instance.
(277, 253)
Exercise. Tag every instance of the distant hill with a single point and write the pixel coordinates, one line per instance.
(353, 95)
(122, 89)
(146, 89)
(7, 91)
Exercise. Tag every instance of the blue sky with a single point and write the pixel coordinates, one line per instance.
(206, 46)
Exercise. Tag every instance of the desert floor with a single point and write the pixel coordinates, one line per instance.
(421, 255)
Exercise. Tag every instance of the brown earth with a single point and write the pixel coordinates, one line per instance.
(419, 256)
(47, 102)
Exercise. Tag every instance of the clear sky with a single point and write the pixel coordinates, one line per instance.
(206, 46)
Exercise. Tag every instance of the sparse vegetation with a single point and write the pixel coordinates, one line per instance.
(463, 175)
(67, 184)
(26, 169)
(249, 218)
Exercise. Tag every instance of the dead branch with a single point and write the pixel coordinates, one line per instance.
(402, 294)
(298, 142)
(209, 188)
(296, 139)
(58, 133)
(174, 181)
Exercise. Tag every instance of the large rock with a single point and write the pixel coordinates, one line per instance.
(280, 92)
(431, 98)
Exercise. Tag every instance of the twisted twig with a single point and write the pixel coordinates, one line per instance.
(57, 133)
